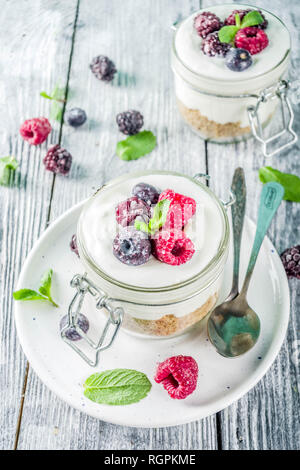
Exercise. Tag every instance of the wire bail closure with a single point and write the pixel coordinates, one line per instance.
(206, 178)
(277, 91)
(83, 287)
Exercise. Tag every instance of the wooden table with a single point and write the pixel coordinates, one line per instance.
(44, 42)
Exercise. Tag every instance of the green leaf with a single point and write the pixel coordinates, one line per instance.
(136, 146)
(45, 95)
(290, 182)
(227, 33)
(7, 164)
(28, 294)
(44, 290)
(58, 93)
(253, 18)
(237, 20)
(158, 219)
(117, 387)
(56, 111)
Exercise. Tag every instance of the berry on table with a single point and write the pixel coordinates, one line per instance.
(238, 60)
(73, 245)
(230, 21)
(181, 209)
(132, 247)
(291, 261)
(103, 68)
(212, 46)
(146, 192)
(71, 332)
(58, 160)
(130, 122)
(75, 117)
(252, 39)
(172, 247)
(35, 130)
(128, 210)
(178, 375)
(206, 23)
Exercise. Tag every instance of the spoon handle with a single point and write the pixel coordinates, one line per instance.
(270, 199)
(238, 187)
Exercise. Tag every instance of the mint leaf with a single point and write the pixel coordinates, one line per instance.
(158, 219)
(45, 95)
(117, 387)
(44, 290)
(136, 146)
(7, 164)
(253, 18)
(290, 182)
(237, 20)
(58, 93)
(227, 33)
(56, 111)
(28, 294)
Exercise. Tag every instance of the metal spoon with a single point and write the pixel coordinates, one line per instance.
(233, 327)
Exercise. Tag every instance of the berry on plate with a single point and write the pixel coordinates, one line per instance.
(230, 21)
(291, 261)
(206, 23)
(130, 122)
(71, 332)
(103, 68)
(58, 160)
(146, 192)
(75, 117)
(181, 209)
(252, 39)
(172, 247)
(128, 210)
(178, 375)
(73, 245)
(35, 130)
(132, 247)
(212, 46)
(238, 60)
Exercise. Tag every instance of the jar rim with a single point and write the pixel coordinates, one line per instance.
(211, 267)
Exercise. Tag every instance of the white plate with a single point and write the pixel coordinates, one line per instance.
(221, 381)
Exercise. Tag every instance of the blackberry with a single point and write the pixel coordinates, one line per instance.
(291, 261)
(146, 192)
(206, 23)
(103, 68)
(130, 122)
(238, 60)
(132, 247)
(128, 210)
(212, 46)
(75, 117)
(73, 245)
(71, 333)
(230, 21)
(58, 160)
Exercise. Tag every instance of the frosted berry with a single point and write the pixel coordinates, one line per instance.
(35, 130)
(181, 209)
(206, 23)
(132, 247)
(58, 160)
(75, 117)
(178, 375)
(172, 247)
(238, 60)
(230, 21)
(252, 39)
(291, 261)
(130, 122)
(213, 47)
(146, 192)
(128, 210)
(103, 68)
(71, 332)
(73, 245)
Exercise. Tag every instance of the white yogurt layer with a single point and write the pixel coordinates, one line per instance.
(188, 47)
(98, 229)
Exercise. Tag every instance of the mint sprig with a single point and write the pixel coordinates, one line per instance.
(7, 164)
(58, 98)
(290, 182)
(227, 33)
(117, 387)
(158, 219)
(136, 146)
(44, 292)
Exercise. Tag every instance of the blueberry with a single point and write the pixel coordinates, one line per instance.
(146, 192)
(71, 333)
(238, 60)
(132, 247)
(75, 117)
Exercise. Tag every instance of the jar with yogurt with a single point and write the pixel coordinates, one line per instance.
(222, 104)
(157, 299)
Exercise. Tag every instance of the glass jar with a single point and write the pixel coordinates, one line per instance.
(225, 106)
(156, 312)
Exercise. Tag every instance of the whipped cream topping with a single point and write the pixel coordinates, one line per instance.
(98, 228)
(188, 47)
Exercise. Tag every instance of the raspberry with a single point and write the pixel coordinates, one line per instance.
(73, 245)
(58, 160)
(103, 68)
(178, 376)
(130, 122)
(146, 192)
(206, 23)
(291, 261)
(35, 130)
(127, 211)
(75, 117)
(212, 46)
(172, 247)
(70, 332)
(132, 247)
(181, 209)
(230, 21)
(252, 39)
